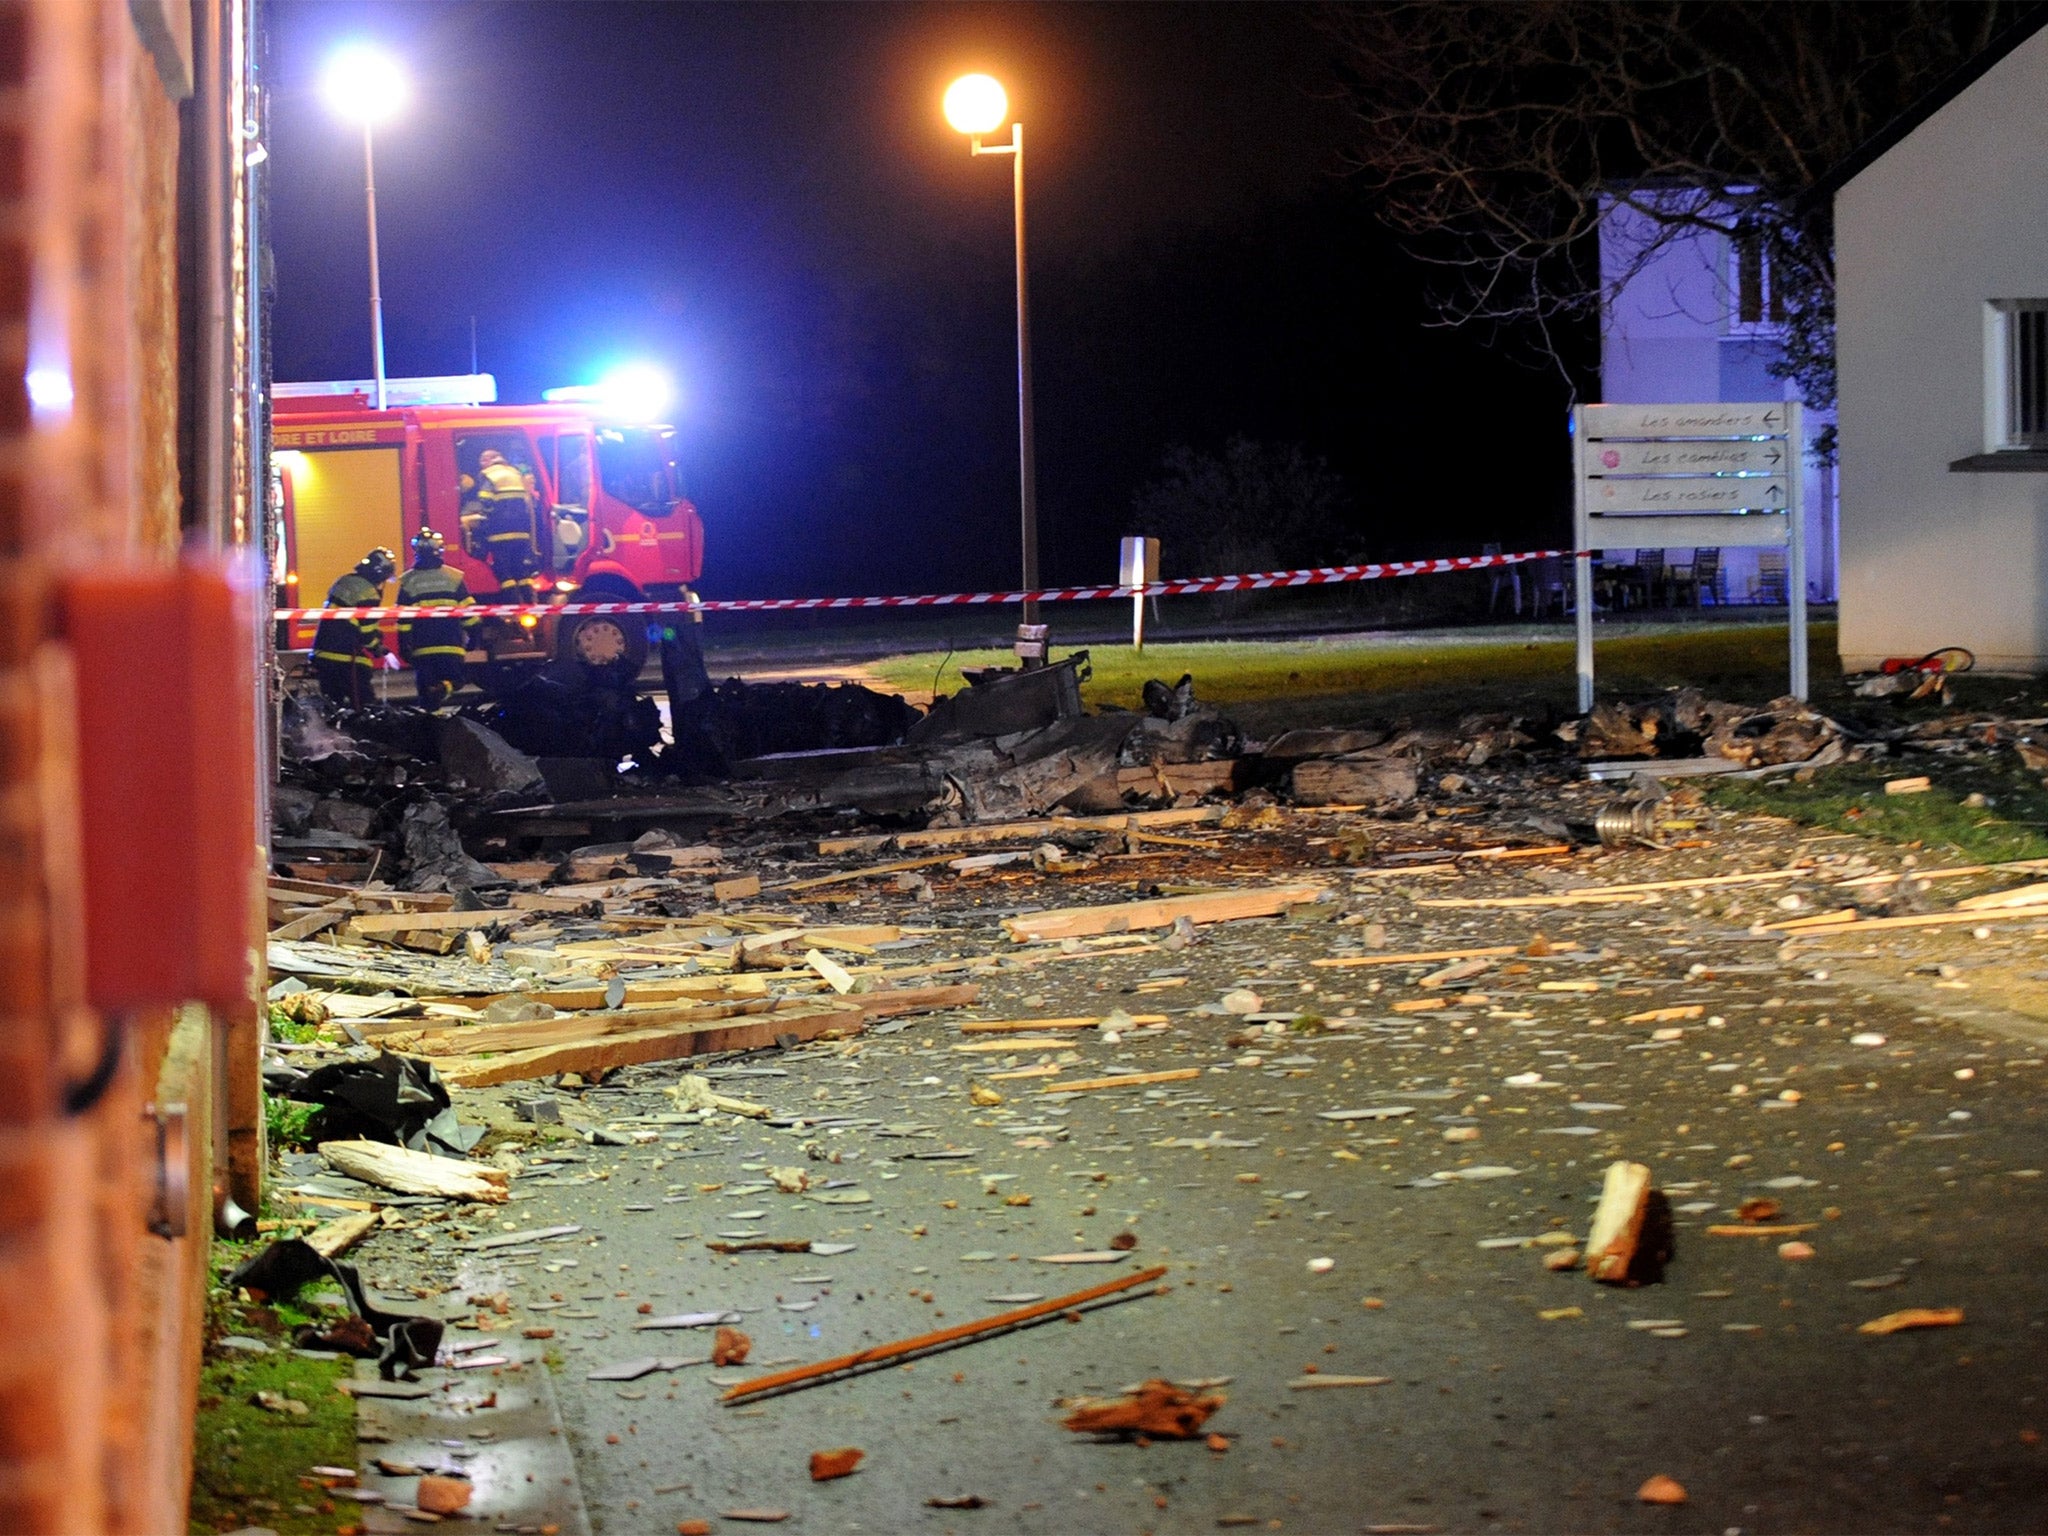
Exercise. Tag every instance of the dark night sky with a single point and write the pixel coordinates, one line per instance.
(765, 200)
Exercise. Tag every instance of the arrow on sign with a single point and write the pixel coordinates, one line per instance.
(1772, 418)
(1774, 456)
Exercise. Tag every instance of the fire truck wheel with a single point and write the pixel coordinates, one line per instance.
(610, 648)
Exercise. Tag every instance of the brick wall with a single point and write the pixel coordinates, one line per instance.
(99, 1320)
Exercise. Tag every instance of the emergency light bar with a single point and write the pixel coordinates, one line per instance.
(440, 389)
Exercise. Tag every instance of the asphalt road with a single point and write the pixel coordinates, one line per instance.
(1518, 1400)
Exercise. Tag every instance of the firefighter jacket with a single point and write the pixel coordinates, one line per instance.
(508, 520)
(356, 640)
(433, 586)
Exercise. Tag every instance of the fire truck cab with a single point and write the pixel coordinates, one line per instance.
(611, 520)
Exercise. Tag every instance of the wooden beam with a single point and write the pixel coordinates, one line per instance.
(1924, 920)
(327, 890)
(803, 1375)
(887, 1004)
(640, 1046)
(1126, 1080)
(1423, 956)
(528, 1034)
(1162, 912)
(1013, 831)
(319, 920)
(377, 923)
(893, 867)
(1025, 1026)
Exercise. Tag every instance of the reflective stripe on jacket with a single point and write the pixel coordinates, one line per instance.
(356, 640)
(507, 505)
(433, 587)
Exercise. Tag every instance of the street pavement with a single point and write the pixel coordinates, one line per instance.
(1878, 1100)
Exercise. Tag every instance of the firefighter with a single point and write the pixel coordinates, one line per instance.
(345, 651)
(508, 525)
(434, 647)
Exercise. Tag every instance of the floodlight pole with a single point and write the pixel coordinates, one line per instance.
(1026, 431)
(376, 288)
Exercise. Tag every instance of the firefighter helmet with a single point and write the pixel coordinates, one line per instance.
(378, 566)
(428, 543)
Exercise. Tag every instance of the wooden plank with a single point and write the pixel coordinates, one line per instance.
(327, 890)
(1424, 956)
(961, 1332)
(899, 1000)
(416, 1173)
(2019, 896)
(546, 901)
(336, 1237)
(1948, 872)
(572, 999)
(1162, 912)
(1024, 1026)
(1925, 920)
(1631, 898)
(1163, 841)
(528, 1034)
(1016, 1043)
(1696, 882)
(893, 867)
(1012, 831)
(1127, 1080)
(378, 923)
(637, 1047)
(317, 921)
(1584, 895)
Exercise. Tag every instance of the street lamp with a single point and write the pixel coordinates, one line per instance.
(365, 84)
(976, 105)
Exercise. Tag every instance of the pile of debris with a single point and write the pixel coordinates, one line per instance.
(1690, 725)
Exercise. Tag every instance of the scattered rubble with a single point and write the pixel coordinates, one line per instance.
(769, 1040)
(1157, 1409)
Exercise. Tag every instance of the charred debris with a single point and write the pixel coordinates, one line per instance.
(572, 782)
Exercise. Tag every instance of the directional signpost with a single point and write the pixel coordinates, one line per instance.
(1665, 476)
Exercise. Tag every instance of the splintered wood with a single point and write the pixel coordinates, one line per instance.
(1162, 912)
(1618, 1222)
(1158, 1408)
(416, 1173)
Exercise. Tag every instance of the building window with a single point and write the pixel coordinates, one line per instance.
(1757, 300)
(2016, 375)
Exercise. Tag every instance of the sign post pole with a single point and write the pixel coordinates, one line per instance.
(1795, 552)
(1138, 566)
(1582, 561)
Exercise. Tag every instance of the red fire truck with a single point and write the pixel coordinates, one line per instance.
(612, 521)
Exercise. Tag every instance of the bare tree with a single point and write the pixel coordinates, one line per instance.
(1501, 137)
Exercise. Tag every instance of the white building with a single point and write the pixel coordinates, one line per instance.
(1941, 253)
(1694, 323)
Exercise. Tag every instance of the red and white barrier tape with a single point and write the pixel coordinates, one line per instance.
(1259, 581)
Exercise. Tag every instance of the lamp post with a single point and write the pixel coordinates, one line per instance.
(365, 85)
(976, 105)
